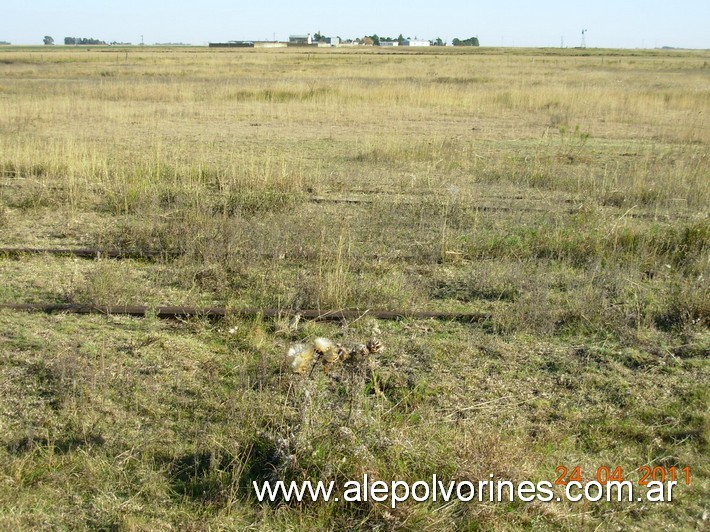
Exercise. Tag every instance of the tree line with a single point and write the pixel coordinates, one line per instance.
(376, 40)
(49, 40)
(82, 40)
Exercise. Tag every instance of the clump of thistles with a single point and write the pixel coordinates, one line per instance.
(324, 350)
(299, 357)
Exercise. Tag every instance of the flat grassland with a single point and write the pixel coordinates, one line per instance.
(563, 192)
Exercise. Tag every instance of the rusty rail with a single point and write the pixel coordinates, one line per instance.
(92, 253)
(179, 312)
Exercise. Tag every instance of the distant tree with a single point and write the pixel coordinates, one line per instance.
(319, 37)
(369, 41)
(471, 41)
(438, 42)
(401, 39)
(82, 40)
(48, 41)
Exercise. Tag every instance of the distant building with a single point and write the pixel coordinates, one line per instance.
(248, 44)
(232, 44)
(333, 41)
(269, 44)
(296, 40)
(389, 43)
(416, 42)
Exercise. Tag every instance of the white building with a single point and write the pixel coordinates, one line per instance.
(300, 39)
(416, 42)
(389, 43)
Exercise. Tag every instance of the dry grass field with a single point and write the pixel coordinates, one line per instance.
(563, 192)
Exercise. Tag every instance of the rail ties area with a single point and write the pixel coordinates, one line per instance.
(183, 312)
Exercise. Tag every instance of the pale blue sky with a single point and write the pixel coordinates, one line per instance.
(632, 24)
